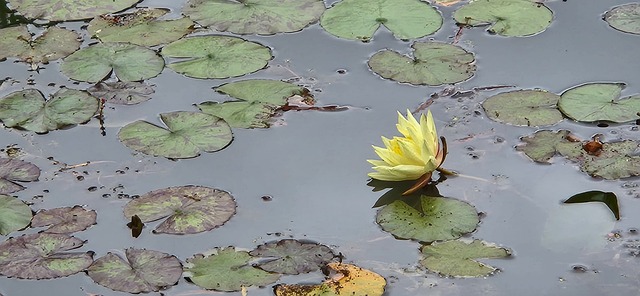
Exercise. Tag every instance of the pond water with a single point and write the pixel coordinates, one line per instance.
(315, 171)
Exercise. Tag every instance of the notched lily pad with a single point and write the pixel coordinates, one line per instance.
(142, 271)
(188, 209)
(616, 160)
(608, 198)
(625, 18)
(542, 145)
(14, 215)
(123, 93)
(65, 220)
(599, 101)
(524, 108)
(458, 258)
(291, 256)
(54, 43)
(15, 170)
(517, 18)
(64, 10)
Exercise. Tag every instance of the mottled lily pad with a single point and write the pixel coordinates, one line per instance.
(239, 114)
(14, 215)
(263, 17)
(54, 43)
(625, 18)
(124, 93)
(142, 271)
(289, 256)
(225, 269)
(216, 56)
(65, 220)
(524, 108)
(42, 256)
(360, 19)
(541, 146)
(129, 62)
(434, 64)
(188, 209)
(616, 160)
(506, 17)
(599, 101)
(15, 170)
(350, 280)
(65, 10)
(457, 258)
(608, 198)
(28, 109)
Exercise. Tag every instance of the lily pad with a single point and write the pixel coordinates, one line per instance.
(524, 108)
(15, 170)
(608, 198)
(14, 214)
(216, 56)
(349, 280)
(241, 114)
(140, 27)
(42, 256)
(291, 256)
(263, 17)
(625, 18)
(457, 258)
(27, 109)
(65, 220)
(187, 134)
(55, 43)
(124, 93)
(225, 269)
(64, 10)
(542, 145)
(441, 218)
(360, 19)
(142, 271)
(506, 17)
(188, 209)
(129, 62)
(434, 64)
(616, 160)
(599, 101)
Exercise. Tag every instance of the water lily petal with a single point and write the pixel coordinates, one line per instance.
(397, 173)
(428, 129)
(409, 127)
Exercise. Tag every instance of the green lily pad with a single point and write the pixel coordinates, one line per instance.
(216, 56)
(360, 19)
(457, 258)
(608, 198)
(542, 145)
(65, 220)
(123, 93)
(599, 101)
(524, 108)
(65, 10)
(241, 114)
(441, 219)
(142, 271)
(27, 109)
(129, 62)
(625, 18)
(506, 17)
(616, 160)
(140, 27)
(14, 215)
(42, 256)
(187, 134)
(264, 17)
(188, 209)
(434, 64)
(55, 43)
(15, 170)
(225, 269)
(290, 256)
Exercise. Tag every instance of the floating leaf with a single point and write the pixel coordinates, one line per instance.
(434, 64)
(143, 271)
(187, 134)
(599, 101)
(225, 269)
(524, 108)
(350, 280)
(506, 17)
(12, 170)
(625, 18)
(359, 19)
(441, 218)
(291, 256)
(125, 93)
(65, 220)
(128, 61)
(216, 56)
(608, 198)
(42, 256)
(541, 146)
(616, 160)
(14, 215)
(190, 209)
(28, 109)
(65, 10)
(241, 114)
(457, 258)
(140, 27)
(53, 44)
(263, 17)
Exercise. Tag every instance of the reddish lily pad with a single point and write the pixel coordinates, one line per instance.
(348, 280)
(14, 214)
(15, 170)
(289, 256)
(65, 220)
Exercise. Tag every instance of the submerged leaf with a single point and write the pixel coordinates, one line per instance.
(14, 215)
(625, 18)
(599, 101)
(65, 10)
(506, 17)
(65, 220)
(53, 44)
(457, 258)
(15, 170)
(524, 108)
(125, 93)
(608, 198)
(291, 256)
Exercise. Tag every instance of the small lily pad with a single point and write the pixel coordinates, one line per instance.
(14, 215)
(29, 110)
(65, 10)
(506, 17)
(55, 43)
(441, 218)
(599, 101)
(225, 269)
(124, 93)
(141, 272)
(625, 18)
(608, 198)
(542, 145)
(524, 108)
(129, 62)
(616, 160)
(291, 256)
(360, 19)
(434, 64)
(457, 258)
(42, 256)
(216, 56)
(65, 220)
(15, 170)
(264, 17)
(188, 209)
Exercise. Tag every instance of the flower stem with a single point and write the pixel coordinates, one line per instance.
(446, 172)
(420, 183)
